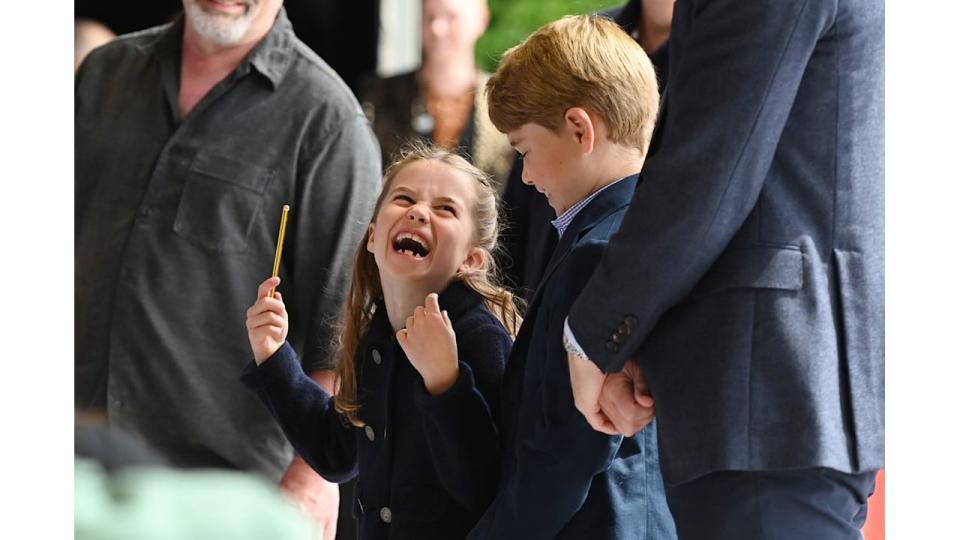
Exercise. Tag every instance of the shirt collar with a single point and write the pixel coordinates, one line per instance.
(272, 56)
(564, 220)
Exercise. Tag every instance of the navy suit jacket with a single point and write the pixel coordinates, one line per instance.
(560, 478)
(427, 464)
(748, 273)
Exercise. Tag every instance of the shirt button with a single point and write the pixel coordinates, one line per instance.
(386, 515)
(630, 321)
(612, 347)
(369, 432)
(376, 357)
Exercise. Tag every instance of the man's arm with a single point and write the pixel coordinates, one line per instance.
(338, 183)
(727, 101)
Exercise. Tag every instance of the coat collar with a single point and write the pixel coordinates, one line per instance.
(607, 202)
(457, 299)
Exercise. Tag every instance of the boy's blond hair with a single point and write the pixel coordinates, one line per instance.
(578, 61)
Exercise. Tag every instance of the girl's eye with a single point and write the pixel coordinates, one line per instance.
(448, 208)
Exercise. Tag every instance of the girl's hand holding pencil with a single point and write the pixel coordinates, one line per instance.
(431, 346)
(267, 322)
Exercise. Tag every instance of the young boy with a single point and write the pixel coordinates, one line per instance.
(578, 100)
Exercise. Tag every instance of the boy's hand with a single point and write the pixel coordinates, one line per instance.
(267, 323)
(431, 346)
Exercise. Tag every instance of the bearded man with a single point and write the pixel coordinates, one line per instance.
(190, 137)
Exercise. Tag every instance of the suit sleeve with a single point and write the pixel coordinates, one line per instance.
(727, 101)
(460, 424)
(559, 455)
(306, 414)
(338, 182)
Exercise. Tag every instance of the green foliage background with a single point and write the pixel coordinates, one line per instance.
(513, 20)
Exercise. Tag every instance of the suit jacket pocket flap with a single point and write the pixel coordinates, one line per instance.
(757, 266)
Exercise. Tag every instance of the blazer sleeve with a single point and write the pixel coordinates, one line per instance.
(306, 414)
(727, 101)
(460, 425)
(558, 456)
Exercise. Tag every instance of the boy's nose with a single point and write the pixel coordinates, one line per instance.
(526, 179)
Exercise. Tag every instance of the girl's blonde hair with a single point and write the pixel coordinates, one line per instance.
(365, 288)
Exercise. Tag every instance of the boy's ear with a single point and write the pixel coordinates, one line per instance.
(580, 124)
(473, 261)
(370, 229)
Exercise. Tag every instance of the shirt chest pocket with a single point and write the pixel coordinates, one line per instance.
(221, 199)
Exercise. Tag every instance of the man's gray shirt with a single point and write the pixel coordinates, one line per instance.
(176, 225)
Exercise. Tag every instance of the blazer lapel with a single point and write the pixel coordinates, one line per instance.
(610, 200)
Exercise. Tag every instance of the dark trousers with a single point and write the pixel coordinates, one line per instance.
(821, 504)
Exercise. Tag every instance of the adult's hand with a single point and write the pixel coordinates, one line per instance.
(317, 498)
(587, 380)
(625, 399)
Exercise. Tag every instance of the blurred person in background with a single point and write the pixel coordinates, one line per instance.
(443, 100)
(189, 139)
(146, 503)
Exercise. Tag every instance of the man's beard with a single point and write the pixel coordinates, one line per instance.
(220, 29)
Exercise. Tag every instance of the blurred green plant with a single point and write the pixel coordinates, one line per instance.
(513, 20)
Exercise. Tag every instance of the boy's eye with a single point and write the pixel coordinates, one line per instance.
(404, 198)
(448, 208)
(521, 154)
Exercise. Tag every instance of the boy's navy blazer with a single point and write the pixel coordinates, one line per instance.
(572, 481)
(427, 464)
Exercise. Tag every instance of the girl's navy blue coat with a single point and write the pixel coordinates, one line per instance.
(427, 465)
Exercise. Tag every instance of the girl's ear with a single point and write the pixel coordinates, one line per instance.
(580, 124)
(370, 229)
(474, 260)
